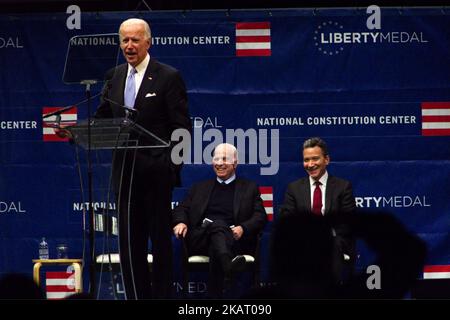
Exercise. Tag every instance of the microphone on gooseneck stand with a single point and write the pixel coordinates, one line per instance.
(129, 111)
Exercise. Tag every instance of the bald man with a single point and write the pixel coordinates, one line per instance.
(221, 218)
(158, 93)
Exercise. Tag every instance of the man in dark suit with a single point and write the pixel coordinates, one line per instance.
(221, 218)
(325, 196)
(158, 94)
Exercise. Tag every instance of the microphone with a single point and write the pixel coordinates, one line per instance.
(57, 112)
(128, 110)
(109, 75)
(60, 111)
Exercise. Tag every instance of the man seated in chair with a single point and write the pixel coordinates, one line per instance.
(221, 218)
(326, 196)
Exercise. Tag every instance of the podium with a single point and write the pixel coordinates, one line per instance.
(121, 136)
(89, 58)
(114, 133)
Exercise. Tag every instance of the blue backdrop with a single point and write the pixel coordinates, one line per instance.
(379, 97)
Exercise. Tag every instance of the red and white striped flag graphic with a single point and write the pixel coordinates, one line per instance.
(68, 118)
(253, 39)
(436, 118)
(267, 197)
(59, 285)
(436, 272)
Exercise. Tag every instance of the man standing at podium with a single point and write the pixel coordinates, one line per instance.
(158, 94)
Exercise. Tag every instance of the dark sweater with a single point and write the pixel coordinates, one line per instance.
(220, 205)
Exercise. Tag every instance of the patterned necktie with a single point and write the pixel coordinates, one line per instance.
(317, 199)
(130, 90)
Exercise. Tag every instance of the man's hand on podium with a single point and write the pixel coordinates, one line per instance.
(63, 133)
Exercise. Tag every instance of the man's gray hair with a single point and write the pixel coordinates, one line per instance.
(147, 31)
(229, 148)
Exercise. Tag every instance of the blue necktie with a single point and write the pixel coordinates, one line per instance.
(130, 90)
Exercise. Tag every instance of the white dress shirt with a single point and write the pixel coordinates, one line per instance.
(139, 75)
(229, 180)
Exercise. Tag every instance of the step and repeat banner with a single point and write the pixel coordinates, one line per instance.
(374, 85)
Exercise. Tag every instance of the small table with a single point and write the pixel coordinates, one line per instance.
(76, 263)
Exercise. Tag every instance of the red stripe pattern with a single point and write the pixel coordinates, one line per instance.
(68, 118)
(267, 197)
(253, 39)
(436, 105)
(252, 25)
(435, 118)
(436, 268)
(59, 285)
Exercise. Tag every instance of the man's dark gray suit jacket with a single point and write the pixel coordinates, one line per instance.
(248, 208)
(339, 201)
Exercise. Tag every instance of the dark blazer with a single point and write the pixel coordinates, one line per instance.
(161, 103)
(338, 197)
(248, 207)
(339, 200)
